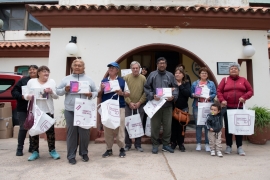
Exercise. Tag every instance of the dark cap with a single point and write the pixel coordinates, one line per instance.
(114, 64)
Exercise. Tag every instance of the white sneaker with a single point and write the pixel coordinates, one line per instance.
(219, 154)
(228, 150)
(198, 147)
(213, 153)
(240, 151)
(207, 148)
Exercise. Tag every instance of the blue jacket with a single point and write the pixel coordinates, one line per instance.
(210, 84)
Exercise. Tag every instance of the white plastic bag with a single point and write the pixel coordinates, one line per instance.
(85, 113)
(134, 125)
(241, 121)
(153, 106)
(148, 127)
(110, 113)
(203, 111)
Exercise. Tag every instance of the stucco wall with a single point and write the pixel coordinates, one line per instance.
(99, 46)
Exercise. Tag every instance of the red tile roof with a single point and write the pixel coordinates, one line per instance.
(38, 33)
(13, 44)
(33, 7)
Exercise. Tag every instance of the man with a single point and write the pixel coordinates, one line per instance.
(122, 93)
(187, 76)
(135, 101)
(161, 79)
(22, 108)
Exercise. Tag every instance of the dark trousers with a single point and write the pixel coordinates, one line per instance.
(177, 128)
(50, 139)
(22, 132)
(229, 137)
(128, 112)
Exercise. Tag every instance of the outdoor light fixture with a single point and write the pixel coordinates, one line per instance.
(2, 31)
(248, 48)
(71, 47)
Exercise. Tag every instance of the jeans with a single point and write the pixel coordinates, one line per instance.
(199, 128)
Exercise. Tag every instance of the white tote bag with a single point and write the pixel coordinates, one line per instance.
(42, 122)
(241, 121)
(153, 106)
(85, 113)
(203, 111)
(134, 125)
(148, 127)
(110, 113)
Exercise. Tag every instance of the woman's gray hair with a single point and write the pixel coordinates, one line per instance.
(234, 64)
(134, 62)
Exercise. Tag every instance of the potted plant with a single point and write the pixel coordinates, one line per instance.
(262, 125)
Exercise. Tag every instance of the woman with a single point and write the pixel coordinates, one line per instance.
(181, 103)
(22, 107)
(46, 105)
(202, 82)
(233, 91)
(76, 134)
(145, 71)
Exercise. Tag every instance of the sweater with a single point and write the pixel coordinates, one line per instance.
(230, 89)
(70, 98)
(183, 95)
(17, 94)
(135, 85)
(46, 105)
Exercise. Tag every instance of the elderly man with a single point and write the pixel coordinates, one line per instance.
(135, 82)
(161, 79)
(122, 93)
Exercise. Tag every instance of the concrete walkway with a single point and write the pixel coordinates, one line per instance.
(137, 165)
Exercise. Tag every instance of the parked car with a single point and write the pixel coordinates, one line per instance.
(7, 82)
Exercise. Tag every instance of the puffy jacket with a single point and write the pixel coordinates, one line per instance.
(215, 121)
(230, 89)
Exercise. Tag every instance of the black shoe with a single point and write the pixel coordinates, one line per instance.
(72, 161)
(107, 153)
(19, 153)
(155, 150)
(182, 148)
(85, 158)
(122, 153)
(173, 145)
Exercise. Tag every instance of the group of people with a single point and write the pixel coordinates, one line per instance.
(135, 90)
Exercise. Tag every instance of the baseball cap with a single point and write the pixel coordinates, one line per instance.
(114, 64)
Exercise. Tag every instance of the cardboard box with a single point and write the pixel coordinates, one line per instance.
(16, 132)
(5, 110)
(4, 134)
(6, 123)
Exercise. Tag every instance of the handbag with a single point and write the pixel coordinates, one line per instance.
(181, 116)
(29, 121)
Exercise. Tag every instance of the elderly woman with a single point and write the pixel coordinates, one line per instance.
(22, 107)
(76, 134)
(46, 105)
(233, 91)
(202, 82)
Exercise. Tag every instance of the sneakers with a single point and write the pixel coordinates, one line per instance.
(207, 148)
(240, 151)
(54, 154)
(219, 153)
(182, 148)
(107, 153)
(167, 148)
(198, 147)
(19, 152)
(139, 149)
(122, 153)
(228, 150)
(85, 158)
(127, 148)
(213, 153)
(155, 150)
(72, 161)
(34, 156)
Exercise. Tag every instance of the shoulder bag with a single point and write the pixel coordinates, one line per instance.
(29, 121)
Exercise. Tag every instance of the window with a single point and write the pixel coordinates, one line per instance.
(35, 25)
(5, 84)
(23, 70)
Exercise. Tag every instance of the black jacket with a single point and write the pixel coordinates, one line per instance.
(17, 94)
(215, 122)
(183, 95)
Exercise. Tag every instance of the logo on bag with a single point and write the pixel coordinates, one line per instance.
(78, 122)
(78, 107)
(113, 110)
(87, 112)
(242, 120)
(205, 111)
(45, 126)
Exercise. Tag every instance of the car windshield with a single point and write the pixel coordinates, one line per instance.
(5, 84)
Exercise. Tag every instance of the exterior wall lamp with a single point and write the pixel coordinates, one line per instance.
(2, 31)
(71, 47)
(248, 48)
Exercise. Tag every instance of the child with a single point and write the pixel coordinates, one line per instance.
(215, 123)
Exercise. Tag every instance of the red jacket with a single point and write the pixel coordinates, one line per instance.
(230, 89)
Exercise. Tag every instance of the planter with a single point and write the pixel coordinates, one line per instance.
(60, 134)
(260, 136)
